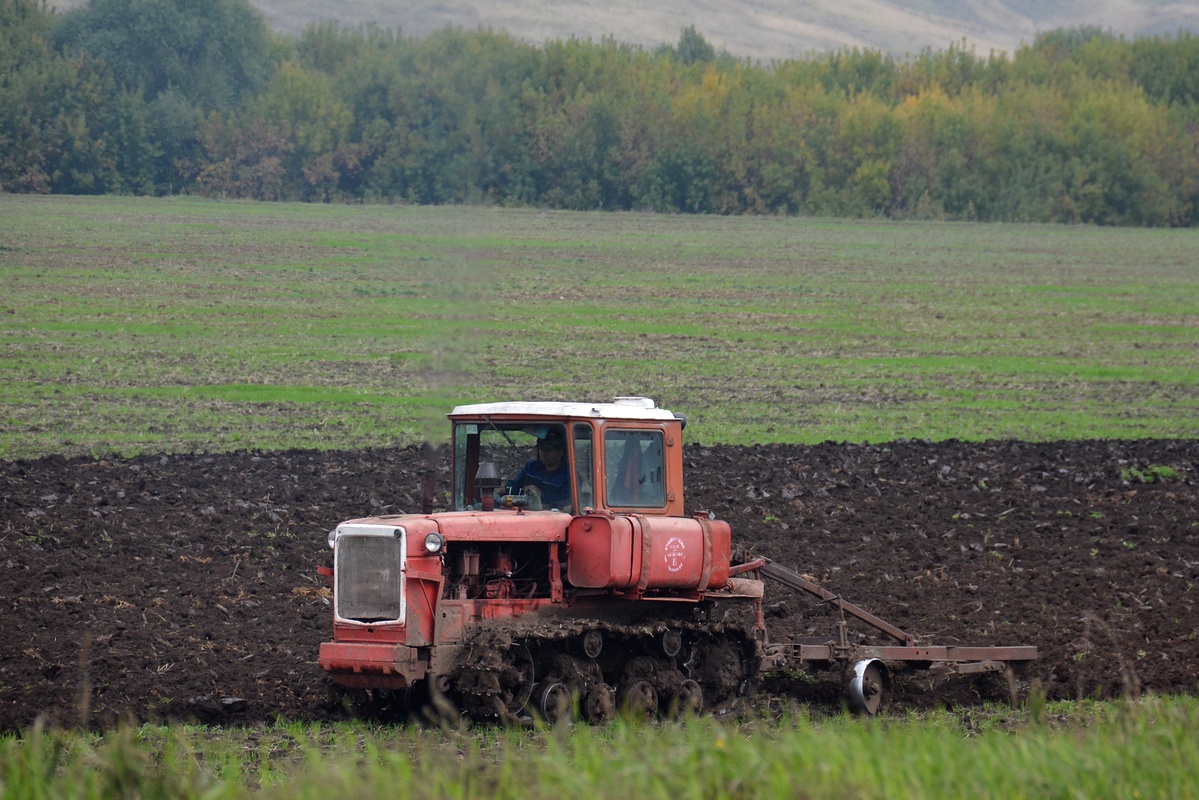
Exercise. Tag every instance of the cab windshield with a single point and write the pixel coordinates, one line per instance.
(513, 464)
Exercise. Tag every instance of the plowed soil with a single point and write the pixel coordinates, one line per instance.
(185, 587)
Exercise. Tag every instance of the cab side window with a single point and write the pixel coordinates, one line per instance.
(584, 467)
(635, 468)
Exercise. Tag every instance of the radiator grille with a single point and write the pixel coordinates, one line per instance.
(369, 565)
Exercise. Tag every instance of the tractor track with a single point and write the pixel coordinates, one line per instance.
(664, 661)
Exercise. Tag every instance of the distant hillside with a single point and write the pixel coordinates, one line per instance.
(757, 29)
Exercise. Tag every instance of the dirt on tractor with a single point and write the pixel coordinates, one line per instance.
(185, 587)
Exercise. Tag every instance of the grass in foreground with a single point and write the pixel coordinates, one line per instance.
(145, 325)
(1146, 748)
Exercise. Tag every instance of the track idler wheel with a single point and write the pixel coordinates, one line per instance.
(720, 667)
(496, 683)
(868, 686)
(517, 686)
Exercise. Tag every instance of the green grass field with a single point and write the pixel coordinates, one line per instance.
(1143, 749)
(142, 325)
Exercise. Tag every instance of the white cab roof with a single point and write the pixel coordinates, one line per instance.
(620, 408)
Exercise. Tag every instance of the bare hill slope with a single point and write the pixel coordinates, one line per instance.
(758, 29)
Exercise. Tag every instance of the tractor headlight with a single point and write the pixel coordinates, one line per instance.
(433, 543)
(332, 538)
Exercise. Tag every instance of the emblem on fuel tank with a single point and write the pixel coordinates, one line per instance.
(674, 554)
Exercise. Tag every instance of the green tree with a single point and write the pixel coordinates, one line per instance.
(246, 158)
(693, 48)
(1168, 68)
(303, 102)
(64, 124)
(173, 128)
(1062, 44)
(214, 53)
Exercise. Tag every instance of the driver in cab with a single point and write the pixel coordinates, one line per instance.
(548, 474)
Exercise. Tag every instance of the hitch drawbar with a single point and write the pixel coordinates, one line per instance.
(868, 666)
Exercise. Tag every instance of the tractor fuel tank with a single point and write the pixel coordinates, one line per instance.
(630, 552)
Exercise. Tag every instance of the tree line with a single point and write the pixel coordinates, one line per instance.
(173, 96)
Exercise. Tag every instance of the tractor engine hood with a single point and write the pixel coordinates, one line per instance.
(476, 526)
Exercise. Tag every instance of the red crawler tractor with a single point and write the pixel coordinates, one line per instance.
(572, 581)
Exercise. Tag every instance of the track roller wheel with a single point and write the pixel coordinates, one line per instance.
(688, 701)
(639, 699)
(553, 702)
(599, 706)
(868, 686)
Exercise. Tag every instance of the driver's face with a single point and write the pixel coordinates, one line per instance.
(551, 455)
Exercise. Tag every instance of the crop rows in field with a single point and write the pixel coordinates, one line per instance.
(184, 325)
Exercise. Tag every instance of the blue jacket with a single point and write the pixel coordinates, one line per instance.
(554, 486)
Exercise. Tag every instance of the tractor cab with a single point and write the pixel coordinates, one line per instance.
(623, 456)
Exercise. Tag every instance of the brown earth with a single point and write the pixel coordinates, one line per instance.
(185, 586)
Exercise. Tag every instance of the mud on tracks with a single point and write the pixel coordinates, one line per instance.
(185, 586)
